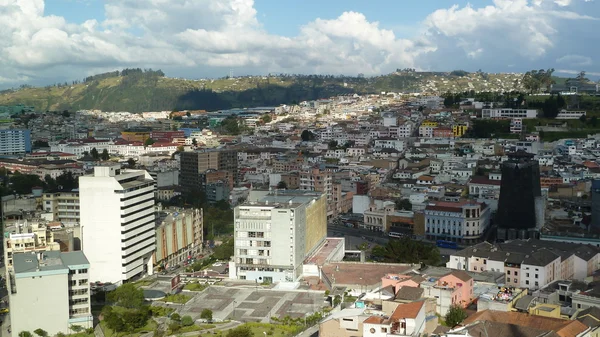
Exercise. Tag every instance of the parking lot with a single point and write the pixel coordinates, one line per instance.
(252, 304)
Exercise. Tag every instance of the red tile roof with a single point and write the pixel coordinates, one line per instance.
(408, 310)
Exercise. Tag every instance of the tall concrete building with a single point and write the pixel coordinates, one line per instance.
(50, 291)
(64, 206)
(195, 164)
(15, 141)
(521, 205)
(118, 223)
(274, 233)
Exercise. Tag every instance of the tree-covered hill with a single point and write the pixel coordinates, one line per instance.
(137, 90)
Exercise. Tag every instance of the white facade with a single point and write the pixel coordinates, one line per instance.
(118, 223)
(390, 144)
(271, 236)
(15, 141)
(49, 291)
(564, 114)
(508, 113)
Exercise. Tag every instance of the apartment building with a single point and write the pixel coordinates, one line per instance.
(179, 236)
(15, 141)
(390, 143)
(29, 237)
(459, 130)
(50, 291)
(529, 263)
(508, 113)
(318, 180)
(118, 222)
(454, 288)
(274, 232)
(564, 114)
(465, 221)
(64, 206)
(195, 163)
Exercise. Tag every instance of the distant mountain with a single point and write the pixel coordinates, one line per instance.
(137, 90)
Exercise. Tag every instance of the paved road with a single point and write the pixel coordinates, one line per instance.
(377, 237)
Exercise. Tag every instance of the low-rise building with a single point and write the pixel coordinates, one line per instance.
(465, 221)
(64, 206)
(50, 291)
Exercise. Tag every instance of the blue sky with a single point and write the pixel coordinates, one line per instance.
(56, 40)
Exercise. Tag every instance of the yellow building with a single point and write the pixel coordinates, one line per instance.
(459, 130)
(547, 310)
(429, 123)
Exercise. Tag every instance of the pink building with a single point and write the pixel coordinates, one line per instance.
(399, 280)
(462, 284)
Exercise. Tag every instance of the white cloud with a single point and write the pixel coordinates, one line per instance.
(197, 37)
(575, 60)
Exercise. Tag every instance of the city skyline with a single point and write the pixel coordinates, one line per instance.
(56, 41)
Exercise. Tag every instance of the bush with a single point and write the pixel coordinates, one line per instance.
(206, 314)
(455, 316)
(175, 317)
(187, 321)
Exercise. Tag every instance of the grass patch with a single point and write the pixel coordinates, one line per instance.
(195, 286)
(158, 311)
(177, 298)
(108, 332)
(349, 299)
(274, 330)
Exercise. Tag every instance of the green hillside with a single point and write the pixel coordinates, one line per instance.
(136, 90)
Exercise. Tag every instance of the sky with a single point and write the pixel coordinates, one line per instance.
(43, 42)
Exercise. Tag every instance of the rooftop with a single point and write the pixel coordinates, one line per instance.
(25, 263)
(355, 273)
(322, 254)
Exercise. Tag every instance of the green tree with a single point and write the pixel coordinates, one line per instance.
(40, 332)
(406, 250)
(266, 118)
(175, 317)
(131, 163)
(282, 185)
(95, 153)
(187, 321)
(67, 181)
(403, 204)
(174, 326)
(455, 316)
(149, 142)
(206, 314)
(25, 334)
(240, 331)
(105, 156)
(332, 144)
(594, 121)
(224, 251)
(307, 136)
(127, 296)
(76, 328)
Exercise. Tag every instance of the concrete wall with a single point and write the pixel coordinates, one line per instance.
(316, 223)
(40, 302)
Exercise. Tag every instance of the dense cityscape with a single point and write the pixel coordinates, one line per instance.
(408, 214)
(268, 168)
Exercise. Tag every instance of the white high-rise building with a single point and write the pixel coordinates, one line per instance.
(118, 222)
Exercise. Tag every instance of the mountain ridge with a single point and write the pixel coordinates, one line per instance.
(137, 90)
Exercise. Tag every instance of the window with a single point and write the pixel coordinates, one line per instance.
(516, 273)
(536, 275)
(515, 280)
(527, 274)
(82, 282)
(508, 272)
(384, 330)
(536, 283)
(527, 282)
(83, 271)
